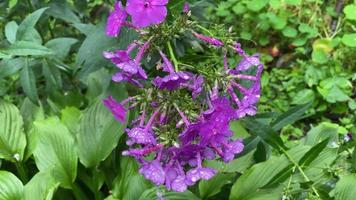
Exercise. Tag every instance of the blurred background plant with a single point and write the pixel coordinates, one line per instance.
(53, 76)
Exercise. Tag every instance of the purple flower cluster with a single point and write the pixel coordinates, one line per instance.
(184, 116)
(143, 14)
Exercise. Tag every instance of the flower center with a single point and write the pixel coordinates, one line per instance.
(146, 4)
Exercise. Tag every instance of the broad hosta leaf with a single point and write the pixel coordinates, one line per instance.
(290, 116)
(90, 54)
(11, 188)
(256, 177)
(98, 135)
(214, 185)
(10, 31)
(151, 194)
(261, 174)
(321, 132)
(70, 116)
(55, 150)
(61, 46)
(304, 96)
(41, 187)
(129, 184)
(28, 83)
(26, 48)
(345, 188)
(29, 23)
(12, 137)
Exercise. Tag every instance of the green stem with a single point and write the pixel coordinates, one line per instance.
(21, 171)
(300, 170)
(78, 192)
(205, 29)
(171, 53)
(96, 185)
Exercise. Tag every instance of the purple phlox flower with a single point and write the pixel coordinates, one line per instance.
(153, 171)
(143, 151)
(210, 40)
(143, 134)
(186, 7)
(231, 149)
(175, 177)
(179, 184)
(196, 86)
(116, 20)
(173, 80)
(147, 12)
(190, 133)
(199, 172)
(117, 109)
(131, 71)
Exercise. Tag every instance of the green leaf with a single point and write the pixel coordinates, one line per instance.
(60, 9)
(289, 32)
(256, 5)
(349, 11)
(321, 132)
(293, 2)
(290, 116)
(265, 132)
(151, 194)
(11, 188)
(98, 135)
(213, 186)
(280, 177)
(319, 56)
(41, 187)
(55, 151)
(349, 39)
(61, 46)
(345, 188)
(9, 67)
(29, 23)
(313, 153)
(28, 83)
(70, 116)
(25, 48)
(12, 137)
(256, 177)
(10, 31)
(303, 96)
(129, 184)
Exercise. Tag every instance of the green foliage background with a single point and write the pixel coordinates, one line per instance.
(57, 141)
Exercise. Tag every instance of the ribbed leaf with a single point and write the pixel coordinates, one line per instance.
(313, 153)
(41, 187)
(12, 137)
(213, 186)
(151, 194)
(55, 150)
(11, 187)
(290, 116)
(345, 188)
(26, 48)
(98, 135)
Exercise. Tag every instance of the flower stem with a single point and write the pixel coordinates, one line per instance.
(171, 53)
(205, 29)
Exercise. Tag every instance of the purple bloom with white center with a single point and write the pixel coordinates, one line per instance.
(116, 20)
(153, 171)
(147, 12)
(210, 40)
(173, 80)
(117, 109)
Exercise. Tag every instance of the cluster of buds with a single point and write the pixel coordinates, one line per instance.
(184, 111)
